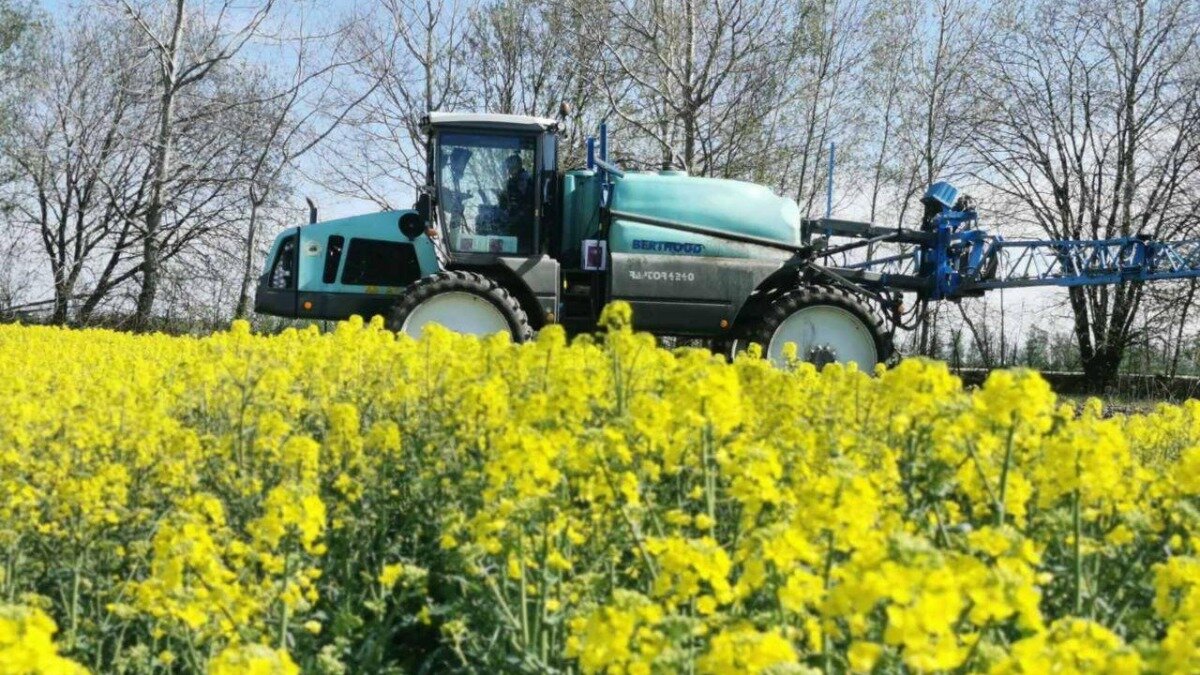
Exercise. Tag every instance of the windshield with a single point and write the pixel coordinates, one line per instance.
(486, 192)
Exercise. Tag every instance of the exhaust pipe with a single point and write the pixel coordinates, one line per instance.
(312, 210)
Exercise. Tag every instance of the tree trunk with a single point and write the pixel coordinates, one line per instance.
(1100, 368)
(151, 266)
(691, 110)
(62, 299)
(1178, 346)
(243, 303)
(150, 273)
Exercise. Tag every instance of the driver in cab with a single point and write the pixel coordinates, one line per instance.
(517, 200)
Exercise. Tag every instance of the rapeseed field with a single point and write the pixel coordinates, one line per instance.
(358, 502)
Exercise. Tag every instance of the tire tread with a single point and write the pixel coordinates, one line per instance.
(791, 301)
(462, 281)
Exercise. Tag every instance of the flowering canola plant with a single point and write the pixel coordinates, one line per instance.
(357, 501)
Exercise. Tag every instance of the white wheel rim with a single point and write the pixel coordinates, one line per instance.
(824, 333)
(457, 311)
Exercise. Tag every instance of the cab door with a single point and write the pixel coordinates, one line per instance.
(276, 292)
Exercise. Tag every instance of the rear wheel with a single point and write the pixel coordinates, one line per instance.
(464, 302)
(827, 325)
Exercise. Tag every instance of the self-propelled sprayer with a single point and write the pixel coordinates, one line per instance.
(503, 240)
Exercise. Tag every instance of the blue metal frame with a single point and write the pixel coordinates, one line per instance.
(1088, 263)
(956, 261)
(604, 168)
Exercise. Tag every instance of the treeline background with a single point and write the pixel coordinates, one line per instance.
(151, 149)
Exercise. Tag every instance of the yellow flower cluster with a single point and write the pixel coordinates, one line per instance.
(27, 645)
(357, 501)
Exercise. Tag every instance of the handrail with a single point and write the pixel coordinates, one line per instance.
(609, 167)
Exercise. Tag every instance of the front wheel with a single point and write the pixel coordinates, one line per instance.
(827, 325)
(464, 302)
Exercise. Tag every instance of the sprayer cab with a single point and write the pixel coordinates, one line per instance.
(477, 231)
(490, 182)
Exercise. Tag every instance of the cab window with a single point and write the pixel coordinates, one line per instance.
(373, 262)
(333, 256)
(487, 194)
(283, 269)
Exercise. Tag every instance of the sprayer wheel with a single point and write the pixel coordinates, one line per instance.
(827, 324)
(464, 302)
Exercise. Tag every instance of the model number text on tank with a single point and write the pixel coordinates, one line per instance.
(654, 275)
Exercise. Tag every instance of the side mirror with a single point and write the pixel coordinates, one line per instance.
(412, 225)
(424, 206)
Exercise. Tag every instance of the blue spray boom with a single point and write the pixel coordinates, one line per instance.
(951, 257)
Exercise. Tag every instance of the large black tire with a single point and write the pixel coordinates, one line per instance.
(790, 302)
(462, 282)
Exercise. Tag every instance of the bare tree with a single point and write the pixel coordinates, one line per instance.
(303, 111)
(412, 55)
(826, 108)
(20, 36)
(937, 122)
(70, 144)
(20, 32)
(944, 88)
(1089, 124)
(680, 71)
(524, 56)
(886, 80)
(185, 56)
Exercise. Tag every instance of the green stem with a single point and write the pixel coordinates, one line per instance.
(633, 528)
(74, 619)
(1123, 596)
(192, 655)
(539, 632)
(709, 479)
(618, 379)
(502, 602)
(1000, 506)
(826, 643)
(285, 614)
(1078, 554)
(524, 594)
(12, 562)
